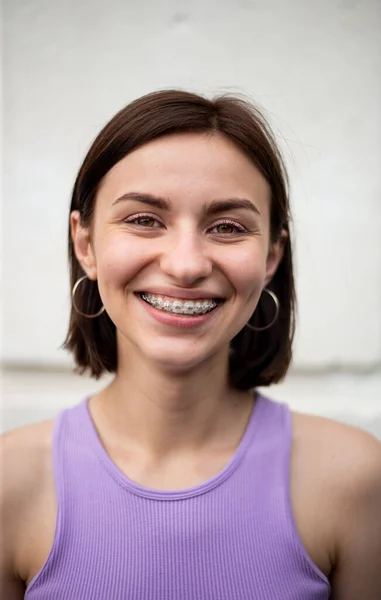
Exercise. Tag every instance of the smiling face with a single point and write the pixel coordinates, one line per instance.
(185, 217)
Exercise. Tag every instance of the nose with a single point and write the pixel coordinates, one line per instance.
(185, 258)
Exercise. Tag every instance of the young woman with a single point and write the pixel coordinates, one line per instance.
(179, 480)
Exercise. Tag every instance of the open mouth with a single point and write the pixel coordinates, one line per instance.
(181, 307)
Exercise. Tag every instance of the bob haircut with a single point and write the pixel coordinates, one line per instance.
(256, 358)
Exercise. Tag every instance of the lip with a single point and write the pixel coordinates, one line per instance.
(176, 320)
(181, 294)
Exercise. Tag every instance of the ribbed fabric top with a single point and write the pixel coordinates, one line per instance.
(230, 538)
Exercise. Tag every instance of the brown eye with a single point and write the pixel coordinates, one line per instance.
(228, 228)
(145, 221)
(225, 228)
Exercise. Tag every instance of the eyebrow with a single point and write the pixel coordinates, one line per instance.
(213, 208)
(154, 201)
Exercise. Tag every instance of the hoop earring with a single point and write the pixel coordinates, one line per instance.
(277, 306)
(75, 287)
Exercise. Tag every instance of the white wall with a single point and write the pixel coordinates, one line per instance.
(31, 396)
(1, 181)
(314, 66)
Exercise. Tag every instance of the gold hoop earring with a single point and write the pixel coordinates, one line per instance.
(277, 307)
(75, 287)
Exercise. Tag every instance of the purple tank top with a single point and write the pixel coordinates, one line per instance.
(232, 537)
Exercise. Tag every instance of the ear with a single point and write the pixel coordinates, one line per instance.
(82, 245)
(275, 256)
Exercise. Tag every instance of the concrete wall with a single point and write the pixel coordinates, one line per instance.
(31, 396)
(314, 68)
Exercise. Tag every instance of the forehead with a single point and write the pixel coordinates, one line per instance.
(188, 166)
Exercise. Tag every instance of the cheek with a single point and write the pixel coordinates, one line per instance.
(246, 269)
(118, 261)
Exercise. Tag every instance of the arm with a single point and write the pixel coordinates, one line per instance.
(357, 572)
(11, 588)
(11, 585)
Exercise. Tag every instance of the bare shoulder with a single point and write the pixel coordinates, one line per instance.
(26, 465)
(24, 452)
(338, 467)
(343, 451)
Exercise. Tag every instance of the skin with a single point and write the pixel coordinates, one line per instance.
(169, 419)
(178, 399)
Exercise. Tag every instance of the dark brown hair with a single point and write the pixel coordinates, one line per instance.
(257, 358)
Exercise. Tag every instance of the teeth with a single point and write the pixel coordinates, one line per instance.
(180, 307)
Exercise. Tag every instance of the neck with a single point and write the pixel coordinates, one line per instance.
(165, 413)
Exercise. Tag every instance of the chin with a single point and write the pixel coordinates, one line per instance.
(170, 361)
(178, 358)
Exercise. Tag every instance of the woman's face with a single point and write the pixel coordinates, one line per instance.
(181, 226)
